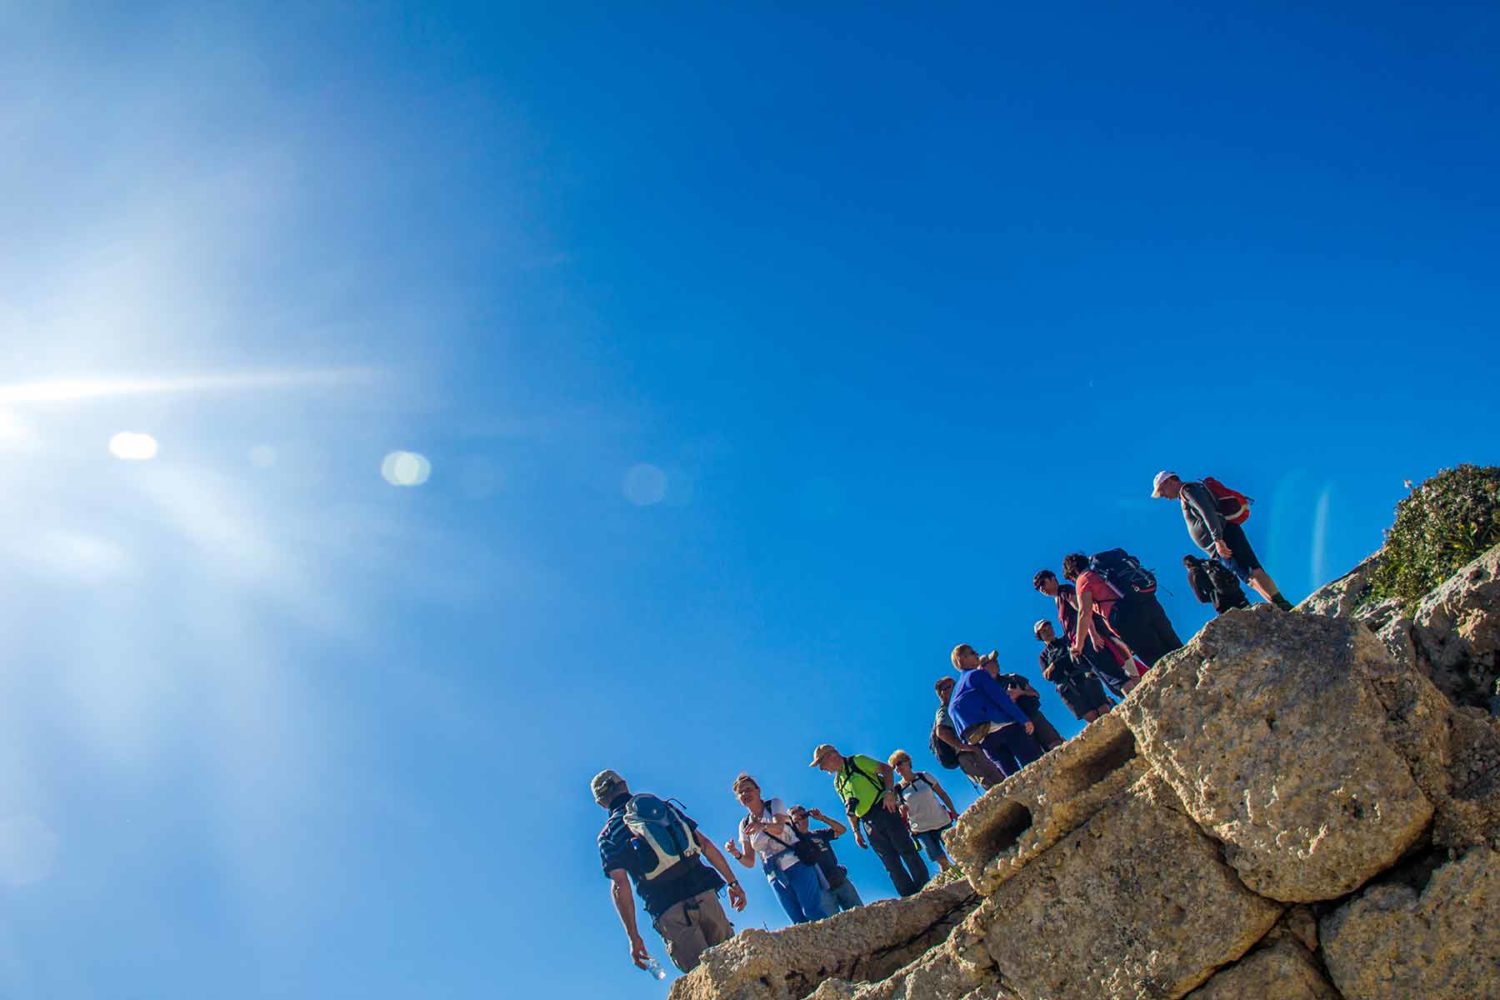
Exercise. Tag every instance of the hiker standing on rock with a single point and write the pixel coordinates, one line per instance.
(868, 789)
(1114, 584)
(841, 893)
(986, 716)
(790, 863)
(1104, 653)
(1214, 513)
(652, 843)
(929, 810)
(1076, 684)
(951, 751)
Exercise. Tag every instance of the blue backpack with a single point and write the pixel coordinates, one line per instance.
(1123, 572)
(660, 835)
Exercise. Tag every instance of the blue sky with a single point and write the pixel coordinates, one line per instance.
(759, 356)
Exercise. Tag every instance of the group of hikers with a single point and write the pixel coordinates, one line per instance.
(989, 725)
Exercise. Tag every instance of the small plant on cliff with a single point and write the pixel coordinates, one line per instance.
(1444, 523)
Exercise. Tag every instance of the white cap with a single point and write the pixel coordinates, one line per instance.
(1162, 477)
(1037, 628)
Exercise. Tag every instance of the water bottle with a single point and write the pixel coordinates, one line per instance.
(655, 969)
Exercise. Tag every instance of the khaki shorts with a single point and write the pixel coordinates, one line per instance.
(693, 926)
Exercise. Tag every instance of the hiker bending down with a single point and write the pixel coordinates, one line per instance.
(951, 751)
(985, 714)
(1114, 584)
(868, 790)
(1109, 658)
(1214, 583)
(790, 863)
(1029, 701)
(926, 816)
(1214, 513)
(840, 894)
(1076, 684)
(662, 851)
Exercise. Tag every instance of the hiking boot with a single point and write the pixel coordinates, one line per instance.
(1282, 603)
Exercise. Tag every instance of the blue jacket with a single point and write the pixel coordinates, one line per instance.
(978, 697)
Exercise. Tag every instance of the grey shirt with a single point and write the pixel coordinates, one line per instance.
(1201, 512)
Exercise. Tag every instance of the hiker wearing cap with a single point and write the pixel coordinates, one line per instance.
(951, 751)
(929, 810)
(841, 893)
(868, 790)
(1029, 701)
(790, 863)
(1214, 513)
(1076, 684)
(655, 845)
(985, 714)
(1134, 616)
(1103, 652)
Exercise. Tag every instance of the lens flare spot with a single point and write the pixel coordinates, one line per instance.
(132, 446)
(645, 485)
(405, 468)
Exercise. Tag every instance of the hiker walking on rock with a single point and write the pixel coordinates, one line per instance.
(1103, 652)
(1076, 684)
(951, 751)
(790, 863)
(1213, 513)
(1114, 584)
(868, 789)
(985, 714)
(655, 845)
(841, 893)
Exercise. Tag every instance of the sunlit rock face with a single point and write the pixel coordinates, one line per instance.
(1289, 806)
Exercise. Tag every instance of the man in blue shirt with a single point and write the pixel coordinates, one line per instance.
(682, 899)
(986, 716)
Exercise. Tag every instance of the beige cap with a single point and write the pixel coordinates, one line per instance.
(823, 750)
(603, 782)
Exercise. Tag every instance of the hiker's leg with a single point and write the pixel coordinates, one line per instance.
(931, 841)
(803, 880)
(785, 895)
(1046, 734)
(916, 868)
(682, 934)
(830, 902)
(713, 923)
(847, 896)
(1165, 633)
(878, 832)
(1022, 747)
(999, 753)
(979, 767)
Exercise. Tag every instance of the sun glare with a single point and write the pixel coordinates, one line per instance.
(405, 468)
(133, 446)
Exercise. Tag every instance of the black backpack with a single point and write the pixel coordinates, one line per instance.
(1123, 572)
(945, 754)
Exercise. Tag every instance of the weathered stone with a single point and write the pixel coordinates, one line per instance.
(1455, 632)
(1283, 970)
(1268, 728)
(958, 969)
(1035, 808)
(864, 944)
(1343, 597)
(1133, 903)
(1405, 938)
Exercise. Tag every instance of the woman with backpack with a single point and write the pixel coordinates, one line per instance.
(926, 817)
(790, 862)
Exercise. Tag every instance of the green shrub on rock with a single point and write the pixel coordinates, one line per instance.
(1445, 522)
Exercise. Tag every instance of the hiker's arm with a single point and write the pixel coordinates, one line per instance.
(950, 736)
(891, 800)
(999, 694)
(943, 794)
(837, 829)
(624, 900)
(1086, 629)
(736, 891)
(738, 848)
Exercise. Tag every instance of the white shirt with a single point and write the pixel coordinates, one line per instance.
(762, 844)
(924, 810)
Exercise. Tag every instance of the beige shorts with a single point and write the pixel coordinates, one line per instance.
(693, 926)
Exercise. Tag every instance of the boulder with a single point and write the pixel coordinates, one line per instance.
(1283, 969)
(1455, 632)
(1269, 729)
(863, 944)
(1038, 806)
(1344, 597)
(1133, 903)
(1429, 932)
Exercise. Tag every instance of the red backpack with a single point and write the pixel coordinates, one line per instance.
(1234, 506)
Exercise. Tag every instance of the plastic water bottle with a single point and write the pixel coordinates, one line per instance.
(655, 969)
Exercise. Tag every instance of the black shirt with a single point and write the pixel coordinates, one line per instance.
(1027, 703)
(619, 850)
(828, 861)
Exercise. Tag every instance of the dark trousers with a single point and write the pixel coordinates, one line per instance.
(1044, 732)
(1142, 623)
(891, 841)
(1010, 748)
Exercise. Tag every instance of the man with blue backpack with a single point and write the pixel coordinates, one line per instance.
(650, 842)
(1123, 592)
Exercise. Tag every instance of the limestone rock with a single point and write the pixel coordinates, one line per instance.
(1456, 632)
(1402, 938)
(1345, 596)
(958, 969)
(1268, 728)
(1035, 808)
(1283, 970)
(1133, 903)
(864, 944)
